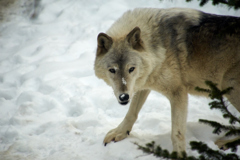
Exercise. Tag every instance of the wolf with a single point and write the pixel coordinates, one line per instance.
(170, 51)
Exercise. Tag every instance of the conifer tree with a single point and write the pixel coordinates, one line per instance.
(230, 3)
(205, 152)
(219, 103)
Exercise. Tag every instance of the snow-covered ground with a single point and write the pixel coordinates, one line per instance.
(52, 107)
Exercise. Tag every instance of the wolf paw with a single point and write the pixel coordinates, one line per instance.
(115, 135)
(221, 144)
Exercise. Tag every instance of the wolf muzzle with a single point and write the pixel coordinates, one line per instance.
(124, 99)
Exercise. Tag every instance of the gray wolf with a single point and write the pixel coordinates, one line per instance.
(170, 51)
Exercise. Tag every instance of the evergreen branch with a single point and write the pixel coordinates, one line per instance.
(209, 153)
(157, 151)
(226, 114)
(233, 131)
(203, 90)
(216, 105)
(226, 90)
(233, 145)
(219, 103)
(230, 3)
(205, 152)
(203, 2)
(218, 127)
(217, 94)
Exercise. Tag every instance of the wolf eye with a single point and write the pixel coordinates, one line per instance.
(131, 69)
(112, 70)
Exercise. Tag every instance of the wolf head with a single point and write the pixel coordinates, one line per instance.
(119, 63)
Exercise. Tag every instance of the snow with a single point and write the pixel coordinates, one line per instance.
(52, 107)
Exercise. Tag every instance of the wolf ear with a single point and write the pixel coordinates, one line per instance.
(104, 43)
(134, 39)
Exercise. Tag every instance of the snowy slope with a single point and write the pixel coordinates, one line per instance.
(52, 107)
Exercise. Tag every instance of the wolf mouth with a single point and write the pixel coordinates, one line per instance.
(124, 103)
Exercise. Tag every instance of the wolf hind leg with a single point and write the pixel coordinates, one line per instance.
(231, 79)
(125, 126)
(221, 143)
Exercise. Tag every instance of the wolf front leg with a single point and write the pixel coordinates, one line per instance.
(179, 104)
(125, 126)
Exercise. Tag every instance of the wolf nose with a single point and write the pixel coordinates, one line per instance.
(124, 97)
